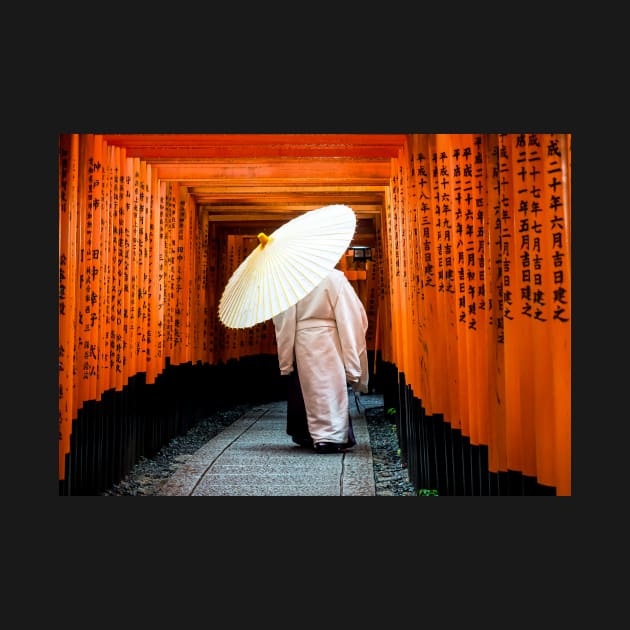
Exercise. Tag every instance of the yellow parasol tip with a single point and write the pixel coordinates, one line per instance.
(263, 238)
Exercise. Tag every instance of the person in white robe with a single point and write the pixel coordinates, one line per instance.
(323, 336)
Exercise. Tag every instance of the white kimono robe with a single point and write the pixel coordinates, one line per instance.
(325, 334)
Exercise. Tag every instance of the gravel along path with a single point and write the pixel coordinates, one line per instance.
(390, 477)
(148, 475)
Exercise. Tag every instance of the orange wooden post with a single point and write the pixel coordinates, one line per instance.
(199, 287)
(131, 242)
(153, 227)
(558, 170)
(479, 289)
(551, 279)
(223, 268)
(179, 305)
(394, 244)
(371, 303)
(497, 444)
(170, 258)
(231, 259)
(142, 267)
(120, 269)
(415, 275)
(107, 273)
(214, 288)
(411, 331)
(161, 286)
(128, 299)
(385, 292)
(93, 265)
(181, 280)
(516, 330)
(175, 279)
(391, 243)
(523, 335)
(68, 219)
(433, 342)
(189, 276)
(470, 186)
(457, 220)
(445, 256)
(83, 341)
(97, 266)
(167, 267)
(399, 316)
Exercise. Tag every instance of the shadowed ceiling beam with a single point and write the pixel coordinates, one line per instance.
(221, 146)
(283, 173)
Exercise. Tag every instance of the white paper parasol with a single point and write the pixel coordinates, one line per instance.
(286, 265)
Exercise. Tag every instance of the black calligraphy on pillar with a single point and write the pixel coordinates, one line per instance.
(506, 242)
(557, 230)
(425, 224)
(480, 195)
(443, 223)
(529, 227)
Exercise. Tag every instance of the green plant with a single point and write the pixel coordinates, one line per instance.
(425, 492)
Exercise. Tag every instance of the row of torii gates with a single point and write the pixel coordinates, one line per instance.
(467, 286)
